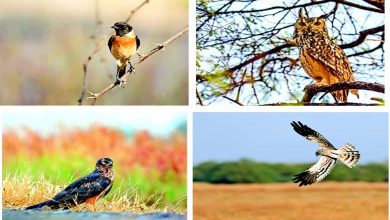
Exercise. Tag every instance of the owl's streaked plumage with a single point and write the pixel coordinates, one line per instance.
(321, 58)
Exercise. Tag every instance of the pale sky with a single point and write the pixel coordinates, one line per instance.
(159, 121)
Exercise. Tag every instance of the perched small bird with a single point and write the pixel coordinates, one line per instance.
(328, 156)
(123, 45)
(86, 189)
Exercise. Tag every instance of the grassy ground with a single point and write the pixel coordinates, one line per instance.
(284, 201)
(21, 191)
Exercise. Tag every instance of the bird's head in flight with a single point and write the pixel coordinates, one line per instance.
(104, 163)
(122, 28)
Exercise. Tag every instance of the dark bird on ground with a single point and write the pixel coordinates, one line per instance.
(86, 189)
(123, 45)
(328, 156)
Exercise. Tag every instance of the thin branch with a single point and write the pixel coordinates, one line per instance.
(235, 101)
(132, 12)
(98, 47)
(85, 68)
(342, 104)
(322, 104)
(198, 97)
(379, 4)
(363, 35)
(259, 56)
(96, 96)
(312, 90)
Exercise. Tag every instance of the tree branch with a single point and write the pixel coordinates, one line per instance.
(259, 56)
(198, 97)
(97, 48)
(132, 12)
(232, 100)
(96, 96)
(312, 90)
(363, 35)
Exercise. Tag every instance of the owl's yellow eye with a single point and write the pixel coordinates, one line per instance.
(317, 23)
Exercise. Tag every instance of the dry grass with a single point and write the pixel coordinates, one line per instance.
(20, 192)
(287, 201)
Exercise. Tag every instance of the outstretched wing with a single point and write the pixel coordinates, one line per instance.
(317, 172)
(311, 135)
(87, 187)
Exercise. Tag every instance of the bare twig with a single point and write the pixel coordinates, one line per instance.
(323, 104)
(132, 12)
(198, 96)
(312, 90)
(96, 96)
(98, 47)
(235, 101)
(85, 68)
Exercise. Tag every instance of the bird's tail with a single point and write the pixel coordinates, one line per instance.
(39, 206)
(355, 92)
(341, 96)
(348, 155)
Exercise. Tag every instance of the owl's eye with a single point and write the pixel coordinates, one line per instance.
(317, 23)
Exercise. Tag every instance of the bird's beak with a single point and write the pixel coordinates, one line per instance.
(114, 27)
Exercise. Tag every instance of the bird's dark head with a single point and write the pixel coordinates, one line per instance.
(104, 162)
(122, 28)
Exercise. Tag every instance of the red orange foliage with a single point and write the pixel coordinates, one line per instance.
(141, 149)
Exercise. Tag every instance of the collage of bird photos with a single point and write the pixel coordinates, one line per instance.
(194, 110)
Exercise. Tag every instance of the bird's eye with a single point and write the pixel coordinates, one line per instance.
(317, 23)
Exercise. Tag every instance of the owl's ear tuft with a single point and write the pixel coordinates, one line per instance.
(302, 13)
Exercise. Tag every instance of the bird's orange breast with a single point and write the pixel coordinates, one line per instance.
(123, 47)
(92, 200)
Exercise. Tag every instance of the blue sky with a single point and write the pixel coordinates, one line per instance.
(161, 121)
(269, 137)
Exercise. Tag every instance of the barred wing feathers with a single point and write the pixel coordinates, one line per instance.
(316, 172)
(312, 135)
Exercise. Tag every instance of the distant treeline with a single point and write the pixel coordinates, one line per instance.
(247, 171)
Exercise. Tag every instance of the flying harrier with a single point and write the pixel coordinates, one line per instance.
(328, 156)
(86, 189)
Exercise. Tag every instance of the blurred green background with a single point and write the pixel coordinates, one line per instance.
(43, 45)
(249, 171)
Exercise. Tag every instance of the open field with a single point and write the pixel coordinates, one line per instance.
(283, 201)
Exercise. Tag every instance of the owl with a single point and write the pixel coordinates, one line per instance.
(321, 58)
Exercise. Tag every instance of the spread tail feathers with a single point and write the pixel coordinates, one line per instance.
(348, 155)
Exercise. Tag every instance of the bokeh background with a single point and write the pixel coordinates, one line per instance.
(43, 45)
(58, 146)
